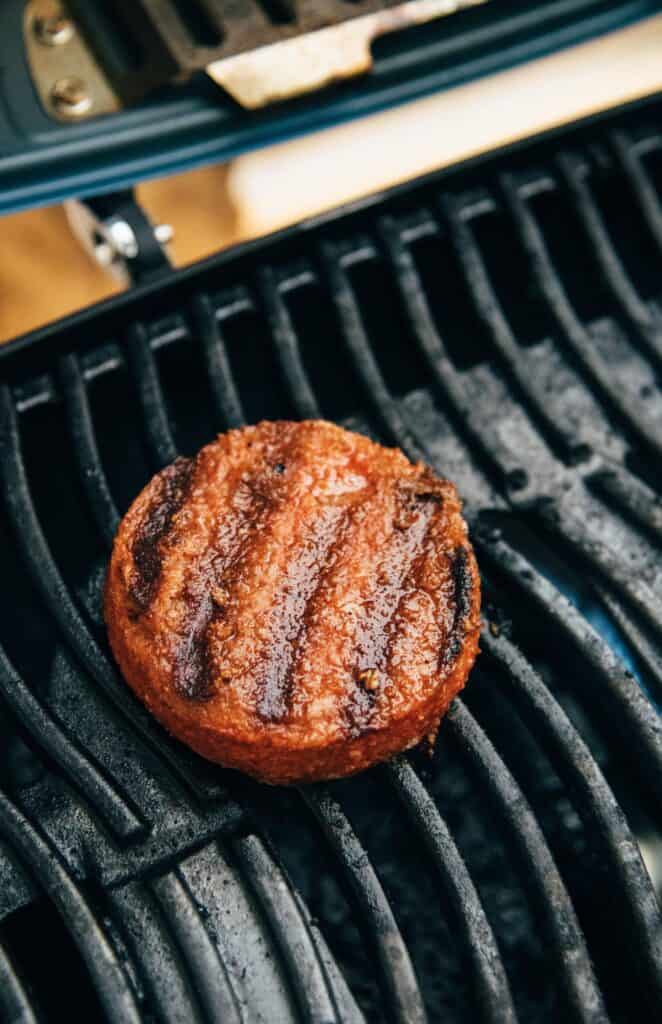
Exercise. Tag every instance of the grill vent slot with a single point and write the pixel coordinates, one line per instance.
(204, 30)
(449, 300)
(280, 12)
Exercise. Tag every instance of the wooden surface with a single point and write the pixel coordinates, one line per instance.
(44, 273)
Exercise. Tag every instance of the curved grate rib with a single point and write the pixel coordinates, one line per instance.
(166, 992)
(399, 980)
(572, 331)
(491, 314)
(354, 333)
(219, 372)
(305, 966)
(113, 806)
(408, 282)
(627, 708)
(573, 173)
(287, 346)
(557, 916)
(15, 1005)
(98, 955)
(651, 657)
(633, 887)
(642, 187)
(490, 981)
(51, 586)
(86, 450)
(631, 496)
(140, 359)
(208, 973)
(569, 526)
(415, 304)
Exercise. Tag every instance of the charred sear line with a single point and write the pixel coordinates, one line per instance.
(207, 594)
(145, 550)
(291, 619)
(194, 668)
(374, 640)
(462, 585)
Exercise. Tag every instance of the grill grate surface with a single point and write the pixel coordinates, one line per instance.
(500, 323)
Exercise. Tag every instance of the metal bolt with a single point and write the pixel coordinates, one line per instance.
(54, 30)
(70, 97)
(164, 233)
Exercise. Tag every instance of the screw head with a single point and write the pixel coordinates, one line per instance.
(70, 96)
(53, 30)
(164, 233)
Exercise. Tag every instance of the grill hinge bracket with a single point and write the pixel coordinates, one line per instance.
(88, 58)
(117, 233)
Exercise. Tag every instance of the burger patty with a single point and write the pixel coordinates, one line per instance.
(296, 601)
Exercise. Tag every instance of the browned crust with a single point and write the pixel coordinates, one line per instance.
(243, 637)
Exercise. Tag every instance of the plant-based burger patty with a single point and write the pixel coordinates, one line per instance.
(296, 601)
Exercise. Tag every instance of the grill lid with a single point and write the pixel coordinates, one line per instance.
(503, 323)
(44, 161)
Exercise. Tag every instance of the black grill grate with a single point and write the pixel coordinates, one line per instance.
(498, 325)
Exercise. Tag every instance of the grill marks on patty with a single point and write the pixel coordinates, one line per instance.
(205, 594)
(172, 491)
(460, 600)
(393, 573)
(306, 575)
(273, 594)
(301, 599)
(255, 527)
(296, 601)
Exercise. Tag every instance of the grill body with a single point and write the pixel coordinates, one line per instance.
(501, 322)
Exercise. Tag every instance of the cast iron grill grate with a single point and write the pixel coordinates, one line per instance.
(503, 323)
